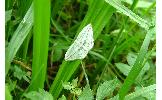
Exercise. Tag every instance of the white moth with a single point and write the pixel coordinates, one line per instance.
(82, 45)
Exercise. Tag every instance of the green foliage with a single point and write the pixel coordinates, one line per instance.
(140, 93)
(123, 57)
(125, 69)
(87, 94)
(12, 85)
(40, 43)
(118, 5)
(7, 15)
(137, 67)
(57, 49)
(8, 96)
(106, 89)
(62, 98)
(94, 13)
(72, 87)
(39, 95)
(18, 37)
(19, 73)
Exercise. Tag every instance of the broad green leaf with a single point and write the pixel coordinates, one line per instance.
(87, 94)
(148, 92)
(151, 95)
(18, 37)
(118, 5)
(131, 58)
(106, 89)
(140, 92)
(124, 68)
(20, 74)
(39, 95)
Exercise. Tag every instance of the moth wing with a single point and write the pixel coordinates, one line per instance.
(80, 54)
(89, 39)
(83, 43)
(73, 49)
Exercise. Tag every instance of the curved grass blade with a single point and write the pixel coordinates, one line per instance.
(137, 67)
(117, 4)
(19, 36)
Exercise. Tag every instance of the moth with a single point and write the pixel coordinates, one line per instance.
(82, 45)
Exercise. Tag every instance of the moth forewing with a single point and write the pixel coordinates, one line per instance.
(82, 45)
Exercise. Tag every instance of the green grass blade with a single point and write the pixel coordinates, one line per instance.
(64, 74)
(117, 4)
(98, 14)
(40, 43)
(105, 89)
(8, 95)
(18, 38)
(25, 45)
(137, 67)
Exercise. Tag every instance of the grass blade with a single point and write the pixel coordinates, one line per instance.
(8, 95)
(137, 67)
(40, 43)
(117, 4)
(18, 38)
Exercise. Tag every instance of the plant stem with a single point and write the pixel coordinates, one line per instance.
(85, 74)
